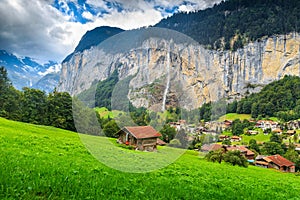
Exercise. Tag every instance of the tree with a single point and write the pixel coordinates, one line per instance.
(276, 138)
(237, 127)
(111, 128)
(293, 156)
(60, 112)
(226, 142)
(254, 146)
(168, 133)
(215, 156)
(34, 106)
(235, 158)
(272, 148)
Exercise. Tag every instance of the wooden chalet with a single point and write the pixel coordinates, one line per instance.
(144, 138)
(211, 147)
(235, 139)
(277, 162)
(291, 132)
(244, 151)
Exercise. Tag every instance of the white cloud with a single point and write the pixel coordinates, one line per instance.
(87, 15)
(35, 28)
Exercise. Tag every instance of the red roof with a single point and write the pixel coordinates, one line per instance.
(140, 132)
(211, 147)
(279, 160)
(160, 142)
(242, 149)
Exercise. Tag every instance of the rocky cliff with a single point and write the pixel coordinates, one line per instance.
(171, 71)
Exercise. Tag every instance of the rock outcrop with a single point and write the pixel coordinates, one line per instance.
(169, 72)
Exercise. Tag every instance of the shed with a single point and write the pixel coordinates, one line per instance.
(142, 138)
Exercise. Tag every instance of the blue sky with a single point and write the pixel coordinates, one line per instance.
(51, 29)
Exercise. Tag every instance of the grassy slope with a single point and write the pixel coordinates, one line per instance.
(233, 116)
(45, 162)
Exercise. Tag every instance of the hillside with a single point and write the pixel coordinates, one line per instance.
(39, 162)
(215, 53)
(232, 24)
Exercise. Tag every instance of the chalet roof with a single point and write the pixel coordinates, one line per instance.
(235, 137)
(291, 132)
(261, 163)
(141, 132)
(160, 142)
(277, 130)
(211, 147)
(242, 149)
(279, 160)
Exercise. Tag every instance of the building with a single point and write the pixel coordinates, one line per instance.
(235, 139)
(244, 151)
(276, 162)
(291, 132)
(266, 124)
(223, 137)
(211, 147)
(144, 138)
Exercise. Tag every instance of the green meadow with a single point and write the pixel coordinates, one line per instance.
(233, 116)
(39, 162)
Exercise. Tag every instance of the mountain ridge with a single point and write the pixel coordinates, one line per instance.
(26, 72)
(226, 71)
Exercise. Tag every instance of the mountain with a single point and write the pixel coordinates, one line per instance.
(169, 68)
(26, 72)
(234, 23)
(93, 38)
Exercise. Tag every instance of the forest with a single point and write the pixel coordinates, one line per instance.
(232, 24)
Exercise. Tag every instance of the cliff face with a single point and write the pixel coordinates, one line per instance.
(167, 73)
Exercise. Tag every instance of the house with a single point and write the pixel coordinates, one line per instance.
(244, 151)
(142, 138)
(223, 137)
(235, 139)
(266, 124)
(227, 123)
(293, 124)
(291, 132)
(251, 132)
(160, 142)
(278, 131)
(276, 162)
(211, 147)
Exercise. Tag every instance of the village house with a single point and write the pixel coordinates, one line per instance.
(144, 138)
(266, 124)
(211, 147)
(293, 124)
(227, 123)
(251, 132)
(291, 132)
(244, 151)
(235, 139)
(278, 131)
(223, 137)
(276, 162)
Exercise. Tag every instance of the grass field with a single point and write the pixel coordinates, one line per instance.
(233, 116)
(259, 138)
(38, 162)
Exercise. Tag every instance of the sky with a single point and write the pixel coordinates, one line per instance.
(51, 29)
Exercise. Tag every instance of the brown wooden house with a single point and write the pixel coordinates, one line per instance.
(142, 138)
(244, 151)
(277, 162)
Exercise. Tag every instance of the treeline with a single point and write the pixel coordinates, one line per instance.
(233, 23)
(279, 99)
(35, 106)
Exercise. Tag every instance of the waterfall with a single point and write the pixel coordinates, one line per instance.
(168, 80)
